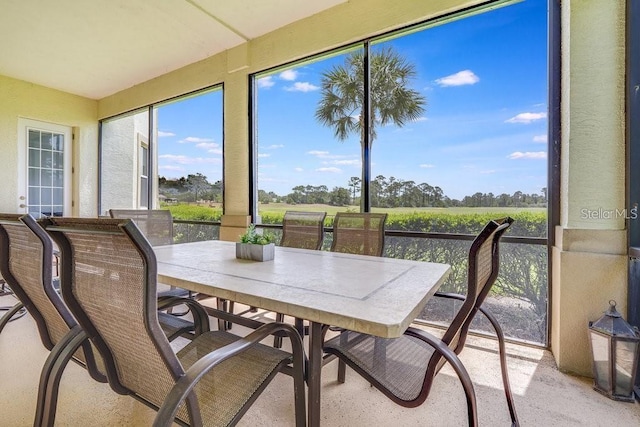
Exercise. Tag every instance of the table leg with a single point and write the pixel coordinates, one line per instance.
(315, 368)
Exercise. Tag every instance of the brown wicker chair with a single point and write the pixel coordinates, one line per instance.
(359, 233)
(404, 368)
(108, 280)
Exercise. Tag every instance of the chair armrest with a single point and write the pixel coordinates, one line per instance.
(185, 384)
(449, 295)
(200, 317)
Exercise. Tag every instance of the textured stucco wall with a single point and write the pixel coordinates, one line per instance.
(27, 100)
(589, 258)
(593, 154)
(120, 149)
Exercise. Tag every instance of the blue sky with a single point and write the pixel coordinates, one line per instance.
(483, 130)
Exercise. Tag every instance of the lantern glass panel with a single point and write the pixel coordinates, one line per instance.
(601, 363)
(625, 358)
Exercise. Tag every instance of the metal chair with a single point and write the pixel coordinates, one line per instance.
(359, 233)
(404, 368)
(26, 258)
(155, 224)
(303, 230)
(108, 280)
(26, 254)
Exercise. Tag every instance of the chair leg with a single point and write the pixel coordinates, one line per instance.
(342, 367)
(277, 341)
(299, 386)
(52, 373)
(222, 304)
(503, 367)
(9, 314)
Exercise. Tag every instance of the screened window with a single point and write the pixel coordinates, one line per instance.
(175, 162)
(443, 126)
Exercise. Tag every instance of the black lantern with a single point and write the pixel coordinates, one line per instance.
(614, 347)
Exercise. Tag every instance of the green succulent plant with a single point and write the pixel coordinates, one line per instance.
(252, 236)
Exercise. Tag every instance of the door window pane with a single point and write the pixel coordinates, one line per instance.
(46, 140)
(58, 160)
(34, 176)
(58, 143)
(34, 196)
(34, 139)
(58, 178)
(43, 165)
(34, 158)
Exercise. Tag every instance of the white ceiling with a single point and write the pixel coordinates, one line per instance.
(95, 48)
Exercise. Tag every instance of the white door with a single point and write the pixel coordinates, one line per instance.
(44, 163)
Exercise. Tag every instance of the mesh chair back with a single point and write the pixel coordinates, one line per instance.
(304, 230)
(155, 224)
(483, 267)
(359, 233)
(26, 264)
(108, 280)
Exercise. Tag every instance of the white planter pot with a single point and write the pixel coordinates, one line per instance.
(255, 252)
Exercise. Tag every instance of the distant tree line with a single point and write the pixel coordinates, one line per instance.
(393, 192)
(193, 188)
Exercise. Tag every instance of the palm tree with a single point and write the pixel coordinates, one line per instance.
(392, 100)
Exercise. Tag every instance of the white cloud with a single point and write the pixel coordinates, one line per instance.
(540, 138)
(298, 169)
(354, 162)
(162, 134)
(427, 166)
(186, 160)
(325, 155)
(330, 170)
(207, 145)
(301, 87)
(318, 153)
(289, 75)
(171, 168)
(266, 82)
(526, 118)
(274, 146)
(527, 155)
(465, 77)
(488, 172)
(194, 139)
(262, 155)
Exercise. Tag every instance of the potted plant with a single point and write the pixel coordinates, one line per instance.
(255, 246)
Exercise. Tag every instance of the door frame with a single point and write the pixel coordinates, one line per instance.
(23, 168)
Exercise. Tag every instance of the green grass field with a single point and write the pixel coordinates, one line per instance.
(331, 210)
(194, 212)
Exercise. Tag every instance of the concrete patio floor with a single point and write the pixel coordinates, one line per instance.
(544, 396)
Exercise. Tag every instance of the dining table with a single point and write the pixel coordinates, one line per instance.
(373, 295)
